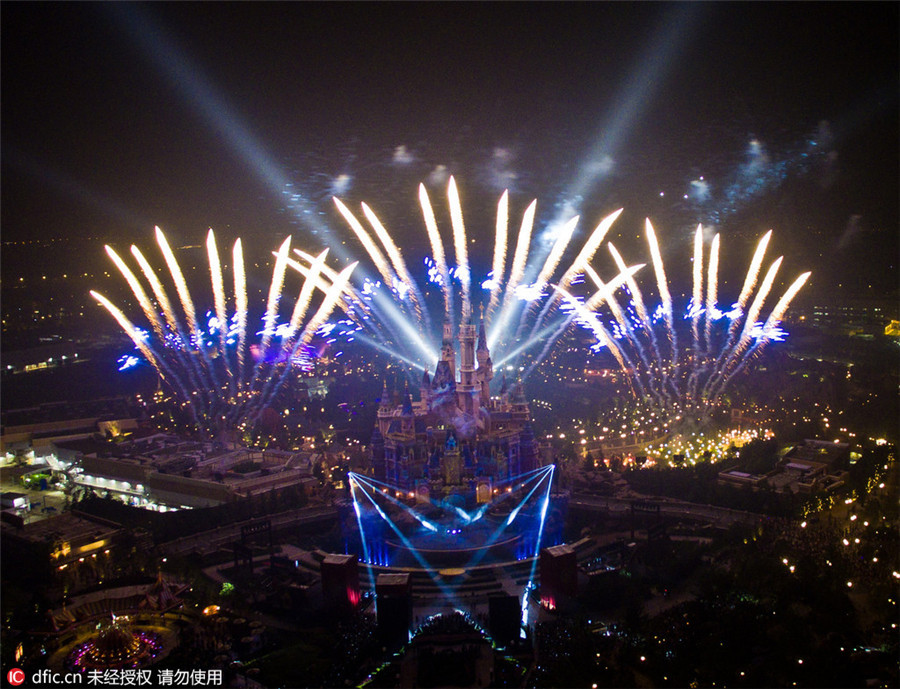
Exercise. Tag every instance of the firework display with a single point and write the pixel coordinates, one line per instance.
(394, 310)
(527, 304)
(530, 303)
(206, 364)
(722, 343)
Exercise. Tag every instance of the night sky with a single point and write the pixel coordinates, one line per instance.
(248, 117)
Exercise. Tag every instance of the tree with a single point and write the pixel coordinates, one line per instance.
(588, 464)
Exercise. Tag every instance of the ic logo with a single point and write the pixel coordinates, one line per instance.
(15, 676)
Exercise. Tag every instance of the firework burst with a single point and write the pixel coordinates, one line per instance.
(395, 315)
(221, 381)
(722, 343)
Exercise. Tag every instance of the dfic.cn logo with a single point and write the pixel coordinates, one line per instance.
(15, 676)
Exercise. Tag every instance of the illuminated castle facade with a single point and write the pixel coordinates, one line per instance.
(456, 437)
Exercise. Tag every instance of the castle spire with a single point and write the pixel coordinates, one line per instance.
(482, 337)
(407, 402)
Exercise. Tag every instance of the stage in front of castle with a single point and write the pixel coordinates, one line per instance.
(458, 530)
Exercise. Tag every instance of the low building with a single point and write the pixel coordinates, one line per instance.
(39, 427)
(14, 500)
(814, 466)
(164, 472)
(71, 536)
(740, 479)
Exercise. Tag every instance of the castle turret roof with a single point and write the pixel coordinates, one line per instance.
(443, 376)
(482, 337)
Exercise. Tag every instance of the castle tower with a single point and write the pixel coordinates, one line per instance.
(485, 365)
(467, 390)
(384, 409)
(407, 418)
(424, 390)
(447, 352)
(519, 409)
(504, 394)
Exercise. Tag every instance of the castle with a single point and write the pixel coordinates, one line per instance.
(456, 438)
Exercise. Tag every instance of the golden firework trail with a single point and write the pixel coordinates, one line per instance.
(591, 305)
(556, 253)
(520, 257)
(756, 307)
(586, 255)
(659, 269)
(631, 283)
(712, 286)
(138, 291)
(437, 247)
(753, 271)
(517, 270)
(608, 298)
(271, 317)
(366, 240)
(218, 288)
(306, 292)
(180, 285)
(158, 292)
(459, 244)
(771, 322)
(563, 238)
(785, 301)
(697, 295)
(746, 290)
(397, 261)
(498, 267)
(621, 319)
(365, 314)
(138, 340)
(240, 303)
(130, 330)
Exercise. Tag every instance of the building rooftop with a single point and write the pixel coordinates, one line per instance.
(68, 526)
(394, 579)
(562, 549)
(337, 559)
